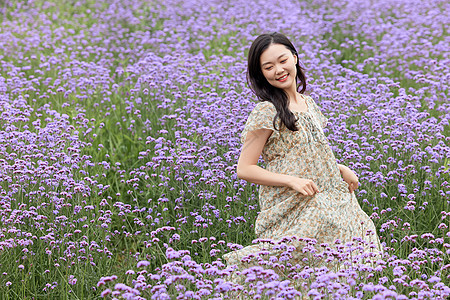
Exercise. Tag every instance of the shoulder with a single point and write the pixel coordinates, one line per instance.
(308, 97)
(263, 112)
(311, 100)
(265, 107)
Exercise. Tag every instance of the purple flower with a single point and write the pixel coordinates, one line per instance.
(105, 293)
(143, 263)
(72, 280)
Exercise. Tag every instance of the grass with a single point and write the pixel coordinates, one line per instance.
(174, 192)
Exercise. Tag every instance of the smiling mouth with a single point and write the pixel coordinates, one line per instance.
(283, 78)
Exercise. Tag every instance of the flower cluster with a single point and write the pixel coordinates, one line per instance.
(119, 139)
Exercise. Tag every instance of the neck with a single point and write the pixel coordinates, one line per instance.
(292, 94)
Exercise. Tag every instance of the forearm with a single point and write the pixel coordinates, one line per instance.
(341, 167)
(350, 177)
(258, 175)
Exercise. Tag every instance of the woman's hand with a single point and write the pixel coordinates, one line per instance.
(349, 177)
(305, 187)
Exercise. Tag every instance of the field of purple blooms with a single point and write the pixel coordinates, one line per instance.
(119, 138)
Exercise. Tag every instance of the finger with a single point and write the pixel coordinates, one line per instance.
(307, 191)
(310, 191)
(309, 185)
(316, 189)
(303, 192)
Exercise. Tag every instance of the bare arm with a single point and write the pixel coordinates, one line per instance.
(349, 177)
(248, 169)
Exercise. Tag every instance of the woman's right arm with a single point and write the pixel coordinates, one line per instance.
(248, 169)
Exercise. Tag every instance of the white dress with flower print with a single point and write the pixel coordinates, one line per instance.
(333, 213)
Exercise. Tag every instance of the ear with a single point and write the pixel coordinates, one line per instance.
(295, 59)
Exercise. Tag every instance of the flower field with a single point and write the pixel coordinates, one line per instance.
(119, 138)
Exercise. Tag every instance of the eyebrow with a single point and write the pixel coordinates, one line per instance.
(271, 62)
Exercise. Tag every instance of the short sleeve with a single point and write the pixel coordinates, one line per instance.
(321, 118)
(261, 117)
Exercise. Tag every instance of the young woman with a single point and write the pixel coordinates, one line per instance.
(303, 191)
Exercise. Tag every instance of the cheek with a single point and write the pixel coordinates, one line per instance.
(266, 75)
(294, 70)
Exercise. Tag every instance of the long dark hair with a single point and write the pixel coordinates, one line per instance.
(262, 88)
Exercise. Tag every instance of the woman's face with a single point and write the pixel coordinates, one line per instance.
(278, 66)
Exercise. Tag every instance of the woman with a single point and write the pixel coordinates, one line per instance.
(303, 191)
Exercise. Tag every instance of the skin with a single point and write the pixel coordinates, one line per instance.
(276, 62)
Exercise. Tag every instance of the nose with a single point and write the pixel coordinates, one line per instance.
(278, 69)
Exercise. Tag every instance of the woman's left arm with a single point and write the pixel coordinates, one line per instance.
(349, 177)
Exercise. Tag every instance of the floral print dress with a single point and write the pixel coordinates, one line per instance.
(333, 213)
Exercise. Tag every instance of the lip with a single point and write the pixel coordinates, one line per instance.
(284, 79)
